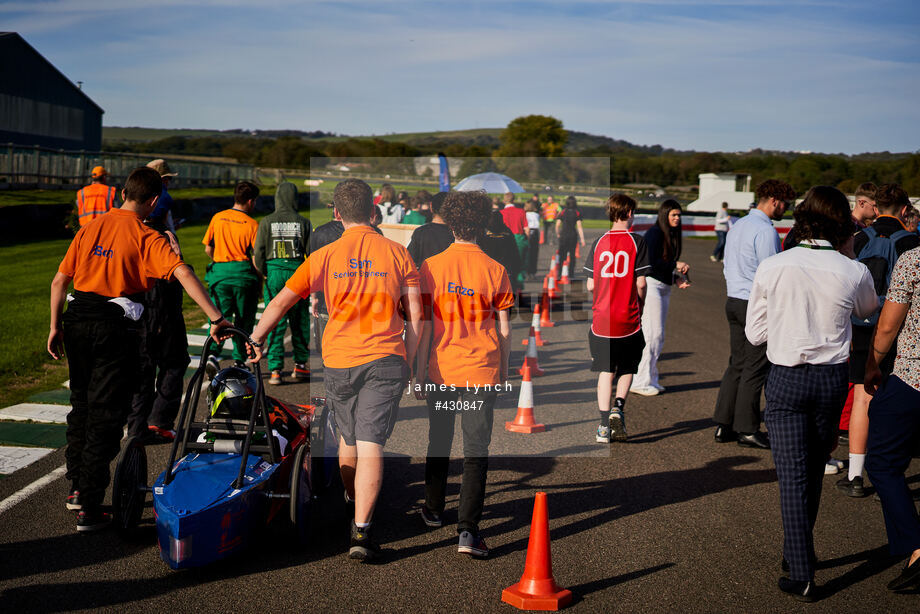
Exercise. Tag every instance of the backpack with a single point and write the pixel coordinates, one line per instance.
(879, 256)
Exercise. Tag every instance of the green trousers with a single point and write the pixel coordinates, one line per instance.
(523, 245)
(298, 316)
(234, 288)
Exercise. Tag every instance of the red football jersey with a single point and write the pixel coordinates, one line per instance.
(615, 260)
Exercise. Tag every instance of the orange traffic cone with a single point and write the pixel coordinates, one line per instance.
(551, 285)
(565, 273)
(524, 421)
(578, 250)
(541, 236)
(545, 315)
(535, 328)
(537, 589)
(530, 359)
(553, 272)
(535, 323)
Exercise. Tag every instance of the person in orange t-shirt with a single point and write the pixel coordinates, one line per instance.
(370, 285)
(233, 281)
(111, 263)
(467, 296)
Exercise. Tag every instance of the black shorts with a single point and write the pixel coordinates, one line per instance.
(859, 354)
(618, 356)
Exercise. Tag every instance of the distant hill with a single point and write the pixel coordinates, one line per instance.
(134, 134)
(485, 137)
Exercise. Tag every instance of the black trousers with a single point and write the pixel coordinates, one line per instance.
(476, 422)
(738, 404)
(163, 361)
(533, 251)
(567, 250)
(102, 356)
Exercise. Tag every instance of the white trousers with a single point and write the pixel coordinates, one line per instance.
(657, 298)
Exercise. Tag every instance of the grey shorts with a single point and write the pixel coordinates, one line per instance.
(365, 399)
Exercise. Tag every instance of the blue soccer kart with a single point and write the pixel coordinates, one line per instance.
(249, 462)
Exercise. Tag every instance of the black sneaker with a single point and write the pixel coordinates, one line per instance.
(852, 488)
(800, 589)
(617, 426)
(472, 544)
(93, 520)
(431, 518)
(909, 578)
(212, 367)
(363, 547)
(73, 500)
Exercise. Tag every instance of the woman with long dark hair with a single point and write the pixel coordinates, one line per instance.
(569, 231)
(664, 242)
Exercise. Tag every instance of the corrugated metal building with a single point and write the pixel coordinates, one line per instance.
(39, 105)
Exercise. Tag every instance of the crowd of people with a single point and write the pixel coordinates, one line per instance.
(804, 318)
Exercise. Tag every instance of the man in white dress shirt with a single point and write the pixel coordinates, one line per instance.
(800, 306)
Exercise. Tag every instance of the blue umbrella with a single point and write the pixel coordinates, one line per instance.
(492, 183)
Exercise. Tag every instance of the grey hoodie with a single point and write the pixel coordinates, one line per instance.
(284, 235)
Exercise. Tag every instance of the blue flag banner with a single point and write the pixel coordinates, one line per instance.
(444, 174)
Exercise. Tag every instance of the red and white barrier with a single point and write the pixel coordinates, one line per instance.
(698, 225)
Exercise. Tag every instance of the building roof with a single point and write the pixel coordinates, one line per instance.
(7, 38)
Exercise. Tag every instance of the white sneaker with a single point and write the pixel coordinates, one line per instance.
(833, 467)
(646, 392)
(713, 259)
(603, 434)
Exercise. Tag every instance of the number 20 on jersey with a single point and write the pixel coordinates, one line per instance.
(619, 262)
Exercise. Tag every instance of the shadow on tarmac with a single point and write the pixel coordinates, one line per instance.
(580, 591)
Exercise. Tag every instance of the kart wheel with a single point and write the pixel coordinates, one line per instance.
(129, 487)
(300, 493)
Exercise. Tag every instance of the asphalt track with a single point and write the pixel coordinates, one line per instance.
(667, 522)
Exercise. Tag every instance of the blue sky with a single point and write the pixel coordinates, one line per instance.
(820, 75)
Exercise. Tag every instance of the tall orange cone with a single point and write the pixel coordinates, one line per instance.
(537, 589)
(578, 250)
(535, 323)
(530, 359)
(535, 328)
(553, 272)
(545, 309)
(551, 285)
(541, 236)
(524, 421)
(565, 273)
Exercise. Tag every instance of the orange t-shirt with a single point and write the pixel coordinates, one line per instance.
(116, 255)
(232, 233)
(462, 290)
(363, 276)
(94, 200)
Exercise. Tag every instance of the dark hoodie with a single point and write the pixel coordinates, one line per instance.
(284, 236)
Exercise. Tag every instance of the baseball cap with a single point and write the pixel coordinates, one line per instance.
(160, 166)
(99, 171)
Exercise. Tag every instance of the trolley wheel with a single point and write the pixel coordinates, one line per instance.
(323, 450)
(129, 487)
(300, 493)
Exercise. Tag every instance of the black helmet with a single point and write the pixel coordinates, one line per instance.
(231, 394)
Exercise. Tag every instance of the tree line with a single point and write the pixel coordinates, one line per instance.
(559, 160)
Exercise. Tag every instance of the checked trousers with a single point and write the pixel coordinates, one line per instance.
(803, 410)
